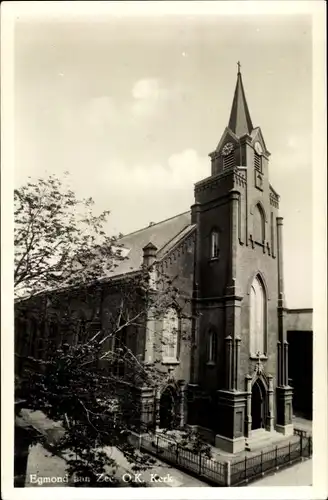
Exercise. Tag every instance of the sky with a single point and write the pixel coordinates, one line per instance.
(132, 106)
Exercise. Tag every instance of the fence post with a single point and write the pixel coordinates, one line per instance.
(262, 462)
(200, 463)
(276, 457)
(301, 444)
(157, 438)
(227, 474)
(177, 453)
(245, 468)
(289, 451)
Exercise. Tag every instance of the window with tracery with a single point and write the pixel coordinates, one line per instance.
(170, 336)
(258, 306)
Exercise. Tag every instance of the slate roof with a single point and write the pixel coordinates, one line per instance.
(240, 119)
(164, 235)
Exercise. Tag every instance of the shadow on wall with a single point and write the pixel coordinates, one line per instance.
(300, 366)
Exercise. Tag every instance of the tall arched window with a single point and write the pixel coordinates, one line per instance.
(257, 317)
(214, 244)
(211, 349)
(170, 335)
(258, 224)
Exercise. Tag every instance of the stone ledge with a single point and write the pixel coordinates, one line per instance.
(230, 445)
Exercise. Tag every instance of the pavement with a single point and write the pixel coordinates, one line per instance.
(46, 469)
(302, 424)
(299, 474)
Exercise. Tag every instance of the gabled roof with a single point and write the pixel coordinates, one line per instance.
(257, 134)
(164, 235)
(240, 119)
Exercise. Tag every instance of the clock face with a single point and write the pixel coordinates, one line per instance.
(258, 148)
(227, 149)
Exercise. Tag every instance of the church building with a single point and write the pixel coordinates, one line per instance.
(229, 377)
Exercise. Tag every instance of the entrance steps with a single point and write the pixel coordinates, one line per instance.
(261, 438)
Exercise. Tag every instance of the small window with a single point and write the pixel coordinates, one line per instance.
(211, 355)
(214, 245)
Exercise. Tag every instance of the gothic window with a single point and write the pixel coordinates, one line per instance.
(258, 224)
(214, 244)
(211, 354)
(170, 336)
(258, 307)
(119, 351)
(153, 279)
(150, 336)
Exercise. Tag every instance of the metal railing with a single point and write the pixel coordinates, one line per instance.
(251, 468)
(195, 463)
(235, 473)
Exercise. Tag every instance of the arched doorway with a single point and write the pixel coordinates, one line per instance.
(167, 413)
(258, 405)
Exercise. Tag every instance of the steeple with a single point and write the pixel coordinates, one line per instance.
(240, 120)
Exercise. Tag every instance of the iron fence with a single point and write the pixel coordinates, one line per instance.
(251, 468)
(228, 473)
(195, 463)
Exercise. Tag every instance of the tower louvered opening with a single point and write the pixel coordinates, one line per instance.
(258, 162)
(229, 160)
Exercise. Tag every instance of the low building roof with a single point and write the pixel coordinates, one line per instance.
(163, 235)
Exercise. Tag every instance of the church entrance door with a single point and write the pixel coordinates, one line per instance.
(258, 405)
(167, 408)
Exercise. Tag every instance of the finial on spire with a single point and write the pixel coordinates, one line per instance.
(239, 66)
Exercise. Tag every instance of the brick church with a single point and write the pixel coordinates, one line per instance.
(230, 377)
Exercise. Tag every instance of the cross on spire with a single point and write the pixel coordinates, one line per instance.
(239, 66)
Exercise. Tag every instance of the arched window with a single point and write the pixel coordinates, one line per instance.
(214, 244)
(258, 224)
(211, 342)
(258, 307)
(170, 335)
(119, 349)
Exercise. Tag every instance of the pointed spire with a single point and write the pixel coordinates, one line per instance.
(240, 120)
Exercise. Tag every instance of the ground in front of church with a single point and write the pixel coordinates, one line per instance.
(42, 463)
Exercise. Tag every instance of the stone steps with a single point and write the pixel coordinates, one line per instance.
(262, 438)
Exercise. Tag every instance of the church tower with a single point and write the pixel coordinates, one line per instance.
(239, 376)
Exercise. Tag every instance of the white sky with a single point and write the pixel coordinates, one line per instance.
(131, 107)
